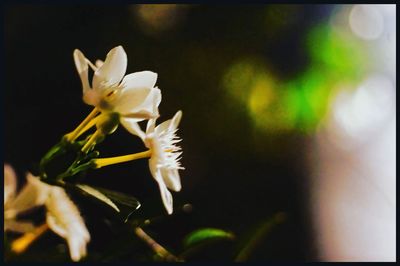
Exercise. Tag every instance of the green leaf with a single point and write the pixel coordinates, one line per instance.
(206, 235)
(121, 198)
(97, 194)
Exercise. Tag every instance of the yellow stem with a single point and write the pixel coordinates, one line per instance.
(78, 131)
(21, 244)
(88, 126)
(121, 159)
(91, 141)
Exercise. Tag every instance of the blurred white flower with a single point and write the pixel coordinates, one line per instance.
(63, 216)
(64, 219)
(164, 161)
(131, 96)
(14, 204)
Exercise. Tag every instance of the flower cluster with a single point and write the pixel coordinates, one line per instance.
(117, 99)
(133, 98)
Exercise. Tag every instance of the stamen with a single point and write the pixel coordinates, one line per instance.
(21, 244)
(101, 162)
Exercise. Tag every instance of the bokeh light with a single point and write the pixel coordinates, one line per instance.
(156, 19)
(366, 21)
(299, 104)
(353, 153)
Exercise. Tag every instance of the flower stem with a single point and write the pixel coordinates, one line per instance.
(157, 248)
(89, 125)
(21, 244)
(121, 159)
(79, 130)
(92, 140)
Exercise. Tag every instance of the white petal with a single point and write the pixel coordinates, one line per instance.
(163, 126)
(172, 179)
(33, 194)
(176, 120)
(143, 79)
(128, 101)
(64, 219)
(166, 196)
(133, 127)
(99, 63)
(56, 225)
(152, 102)
(170, 124)
(150, 126)
(83, 69)
(148, 108)
(113, 69)
(10, 183)
(77, 248)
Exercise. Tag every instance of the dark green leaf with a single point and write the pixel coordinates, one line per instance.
(121, 198)
(122, 203)
(97, 194)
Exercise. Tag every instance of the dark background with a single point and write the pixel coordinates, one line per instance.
(236, 177)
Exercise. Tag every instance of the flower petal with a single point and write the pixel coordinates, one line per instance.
(152, 102)
(113, 69)
(149, 107)
(176, 120)
(98, 63)
(10, 183)
(142, 79)
(163, 126)
(166, 196)
(83, 69)
(64, 219)
(129, 101)
(170, 124)
(77, 248)
(150, 128)
(56, 225)
(133, 127)
(33, 194)
(171, 178)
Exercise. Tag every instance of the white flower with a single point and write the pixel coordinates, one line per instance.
(62, 215)
(164, 161)
(10, 208)
(131, 96)
(64, 219)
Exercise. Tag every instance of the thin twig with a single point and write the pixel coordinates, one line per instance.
(157, 248)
